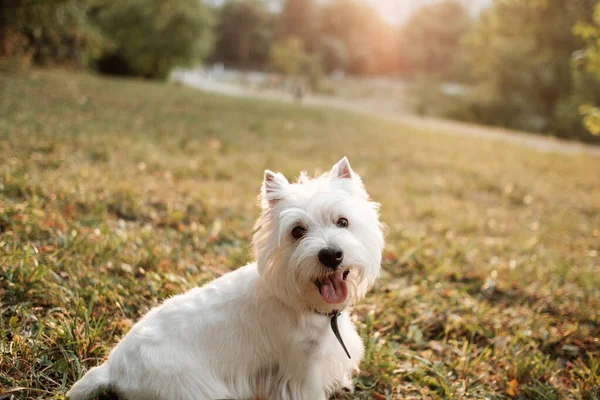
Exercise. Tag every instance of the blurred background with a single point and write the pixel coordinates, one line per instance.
(530, 65)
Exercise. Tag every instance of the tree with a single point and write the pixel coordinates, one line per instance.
(589, 61)
(370, 42)
(150, 37)
(288, 56)
(300, 19)
(430, 41)
(244, 33)
(51, 31)
(519, 55)
(333, 54)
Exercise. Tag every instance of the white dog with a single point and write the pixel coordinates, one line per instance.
(266, 330)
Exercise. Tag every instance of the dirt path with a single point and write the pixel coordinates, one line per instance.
(528, 140)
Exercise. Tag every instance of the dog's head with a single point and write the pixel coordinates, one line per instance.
(318, 242)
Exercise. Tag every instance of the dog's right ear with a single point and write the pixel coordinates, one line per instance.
(273, 188)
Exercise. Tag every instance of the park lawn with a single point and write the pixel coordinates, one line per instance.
(115, 194)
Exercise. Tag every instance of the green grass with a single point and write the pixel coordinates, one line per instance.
(115, 194)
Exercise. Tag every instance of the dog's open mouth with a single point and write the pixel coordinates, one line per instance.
(333, 287)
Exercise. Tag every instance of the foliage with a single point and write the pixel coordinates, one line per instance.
(49, 31)
(145, 37)
(151, 37)
(519, 54)
(427, 98)
(370, 42)
(431, 40)
(117, 194)
(312, 70)
(343, 34)
(300, 19)
(333, 54)
(243, 34)
(591, 118)
(287, 56)
(590, 59)
(570, 110)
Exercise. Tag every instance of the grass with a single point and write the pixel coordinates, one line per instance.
(116, 194)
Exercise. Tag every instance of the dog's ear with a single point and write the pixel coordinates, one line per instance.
(342, 169)
(273, 188)
(343, 175)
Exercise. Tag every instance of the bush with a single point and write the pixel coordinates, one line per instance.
(519, 54)
(151, 37)
(426, 96)
(49, 31)
(586, 71)
(569, 119)
(15, 54)
(313, 72)
(333, 54)
(244, 34)
(287, 55)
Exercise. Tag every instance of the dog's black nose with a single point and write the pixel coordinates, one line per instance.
(331, 257)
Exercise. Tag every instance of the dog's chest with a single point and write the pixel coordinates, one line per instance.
(309, 337)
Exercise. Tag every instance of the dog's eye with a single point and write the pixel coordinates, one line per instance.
(298, 232)
(342, 223)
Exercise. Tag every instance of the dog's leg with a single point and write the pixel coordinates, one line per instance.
(298, 383)
(347, 384)
(313, 387)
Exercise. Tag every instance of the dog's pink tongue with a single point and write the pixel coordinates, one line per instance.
(334, 289)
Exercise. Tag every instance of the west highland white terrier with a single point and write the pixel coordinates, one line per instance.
(277, 328)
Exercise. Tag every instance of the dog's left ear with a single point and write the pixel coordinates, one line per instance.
(273, 188)
(342, 173)
(342, 169)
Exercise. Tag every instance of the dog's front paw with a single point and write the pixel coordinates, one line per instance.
(347, 386)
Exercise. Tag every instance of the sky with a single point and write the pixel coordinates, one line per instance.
(396, 11)
(393, 11)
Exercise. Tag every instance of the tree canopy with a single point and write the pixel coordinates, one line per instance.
(50, 31)
(368, 40)
(244, 34)
(431, 40)
(153, 36)
(589, 61)
(520, 54)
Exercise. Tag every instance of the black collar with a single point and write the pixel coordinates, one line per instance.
(334, 327)
(329, 314)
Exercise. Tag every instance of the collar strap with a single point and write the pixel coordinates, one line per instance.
(336, 331)
(329, 314)
(334, 327)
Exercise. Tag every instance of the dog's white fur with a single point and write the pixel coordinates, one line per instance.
(260, 331)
